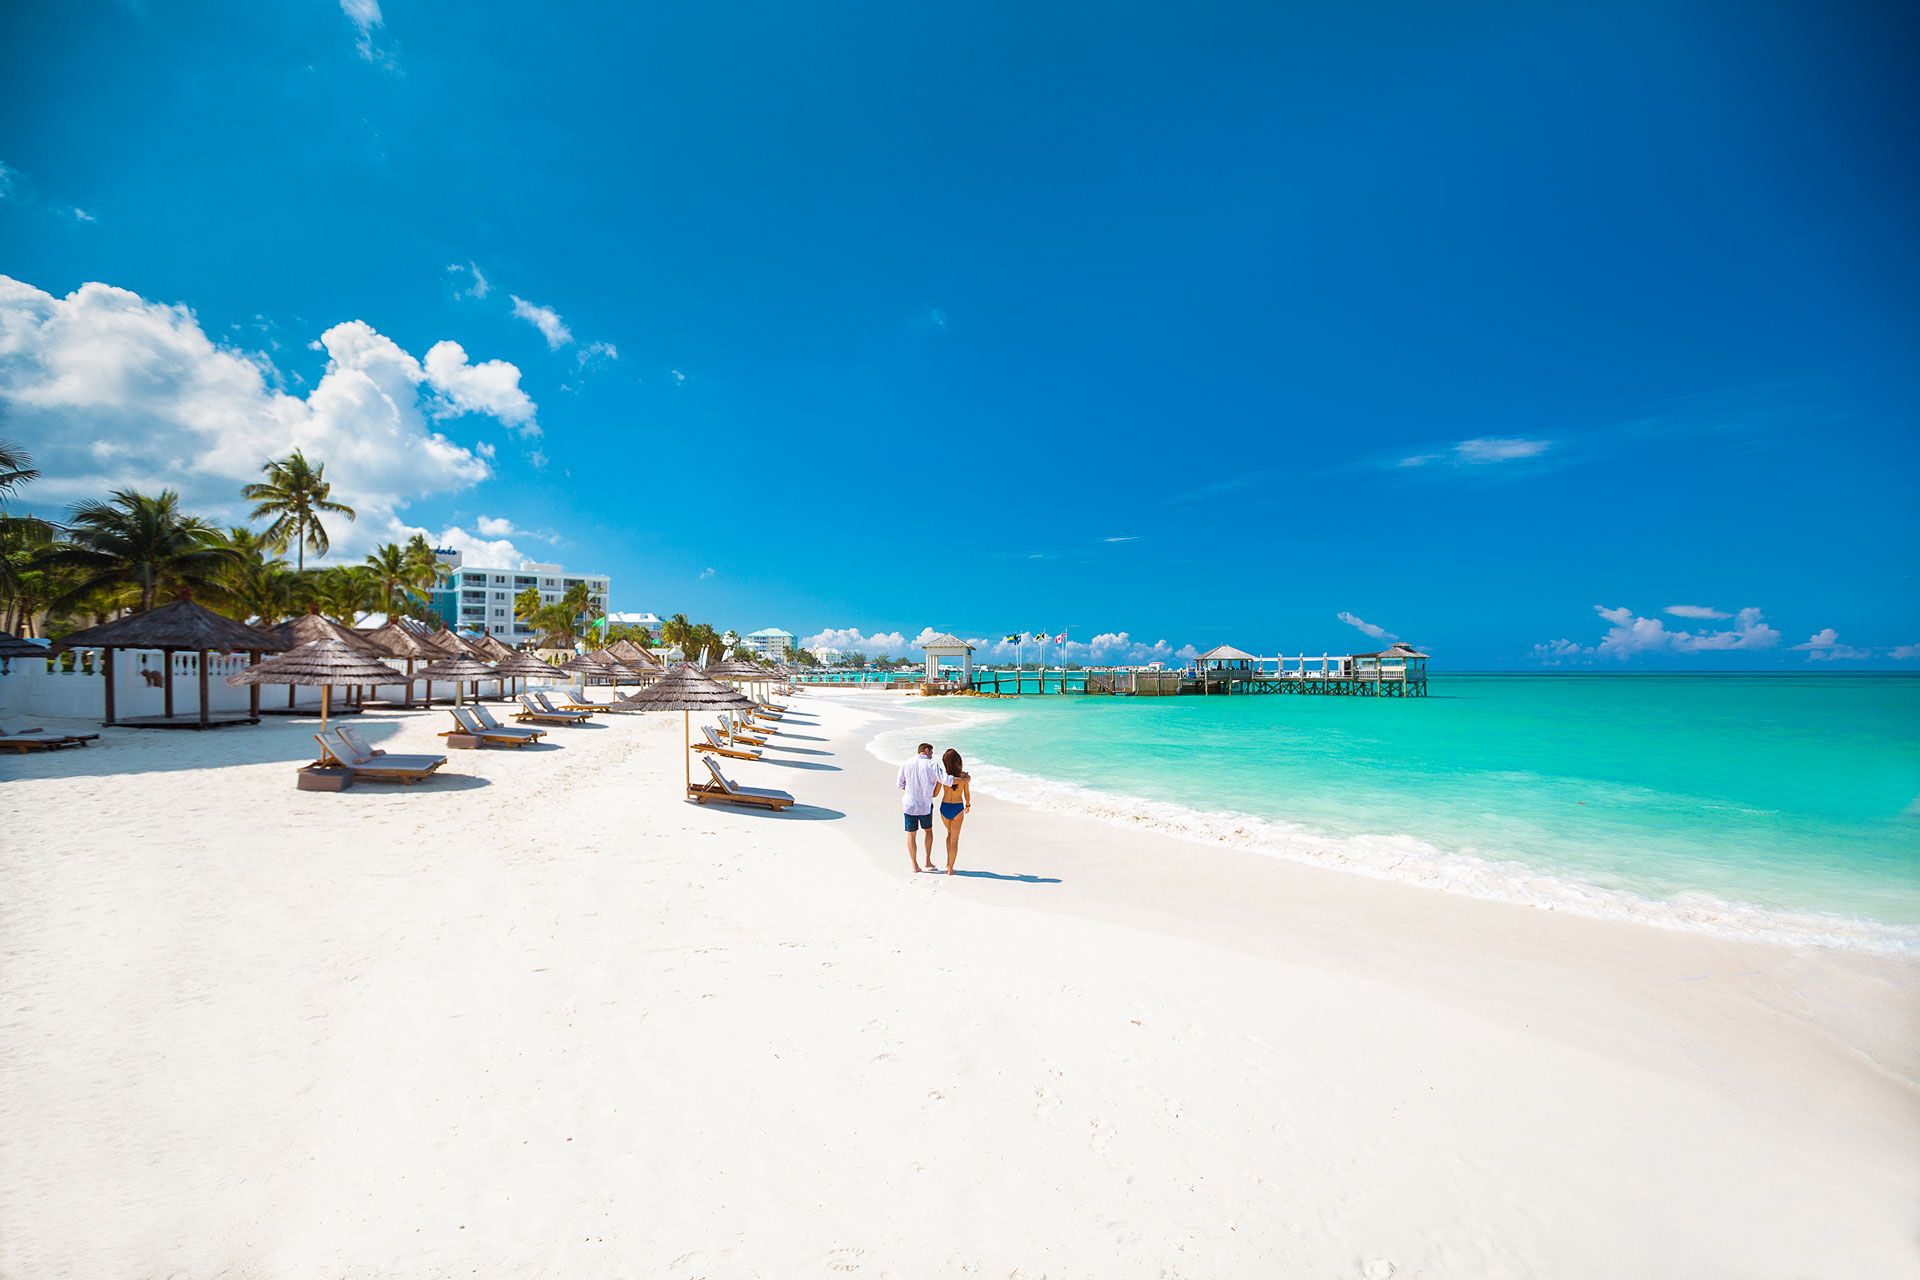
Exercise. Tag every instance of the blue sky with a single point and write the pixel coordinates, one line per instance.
(1503, 328)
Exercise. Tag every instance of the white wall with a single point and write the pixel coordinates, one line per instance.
(29, 690)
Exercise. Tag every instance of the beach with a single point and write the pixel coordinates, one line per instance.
(544, 1018)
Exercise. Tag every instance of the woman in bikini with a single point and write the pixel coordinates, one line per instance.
(956, 801)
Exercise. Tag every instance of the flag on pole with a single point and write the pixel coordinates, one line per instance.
(1061, 638)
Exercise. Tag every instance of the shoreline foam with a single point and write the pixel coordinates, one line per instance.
(1408, 859)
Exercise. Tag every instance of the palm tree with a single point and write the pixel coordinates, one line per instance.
(295, 495)
(16, 468)
(136, 544)
(677, 633)
(399, 573)
(420, 555)
(257, 584)
(344, 591)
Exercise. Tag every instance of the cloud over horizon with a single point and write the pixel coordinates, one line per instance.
(110, 390)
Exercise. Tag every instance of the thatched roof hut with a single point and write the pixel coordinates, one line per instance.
(325, 662)
(182, 626)
(459, 669)
(491, 648)
(12, 646)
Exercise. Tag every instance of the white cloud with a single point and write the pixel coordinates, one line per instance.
(476, 286)
(1825, 645)
(177, 409)
(1478, 452)
(1364, 627)
(81, 215)
(1629, 635)
(367, 21)
(545, 319)
(1695, 611)
(706, 573)
(537, 459)
(1131, 537)
(501, 527)
(595, 354)
(491, 387)
(1904, 652)
(480, 552)
(1486, 449)
(852, 640)
(9, 178)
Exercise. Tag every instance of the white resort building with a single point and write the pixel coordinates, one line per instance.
(471, 598)
(771, 642)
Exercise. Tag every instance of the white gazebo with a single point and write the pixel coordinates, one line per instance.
(949, 646)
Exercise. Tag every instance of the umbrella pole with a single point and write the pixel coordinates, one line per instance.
(686, 749)
(326, 692)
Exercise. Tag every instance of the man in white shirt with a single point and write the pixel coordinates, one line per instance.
(920, 780)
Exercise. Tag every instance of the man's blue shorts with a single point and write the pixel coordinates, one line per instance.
(919, 821)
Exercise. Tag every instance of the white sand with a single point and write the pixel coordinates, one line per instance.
(548, 1020)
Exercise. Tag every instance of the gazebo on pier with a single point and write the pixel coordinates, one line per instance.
(949, 646)
(180, 627)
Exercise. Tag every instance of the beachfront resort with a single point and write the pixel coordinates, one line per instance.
(1361, 559)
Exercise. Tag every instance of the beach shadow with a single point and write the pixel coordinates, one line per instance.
(802, 737)
(995, 875)
(799, 764)
(777, 745)
(794, 813)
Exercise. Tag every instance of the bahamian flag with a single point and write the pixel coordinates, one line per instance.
(1015, 638)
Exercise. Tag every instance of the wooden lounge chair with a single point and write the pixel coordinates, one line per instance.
(720, 748)
(736, 732)
(531, 710)
(576, 699)
(574, 708)
(724, 790)
(470, 727)
(336, 750)
(760, 711)
(36, 738)
(487, 721)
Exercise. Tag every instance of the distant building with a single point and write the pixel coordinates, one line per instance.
(651, 621)
(771, 642)
(471, 598)
(826, 655)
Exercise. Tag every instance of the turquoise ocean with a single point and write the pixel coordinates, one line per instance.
(1782, 807)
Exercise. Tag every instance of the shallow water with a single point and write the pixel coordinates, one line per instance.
(1770, 806)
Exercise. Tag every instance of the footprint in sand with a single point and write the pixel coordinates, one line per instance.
(845, 1258)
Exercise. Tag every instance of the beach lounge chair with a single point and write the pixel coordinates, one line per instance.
(469, 726)
(719, 748)
(763, 712)
(724, 790)
(381, 768)
(574, 708)
(531, 710)
(571, 700)
(487, 721)
(36, 738)
(737, 732)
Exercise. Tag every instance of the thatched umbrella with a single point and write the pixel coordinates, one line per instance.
(490, 648)
(455, 643)
(172, 628)
(523, 666)
(458, 670)
(326, 662)
(733, 671)
(397, 640)
(685, 690)
(587, 667)
(633, 655)
(313, 625)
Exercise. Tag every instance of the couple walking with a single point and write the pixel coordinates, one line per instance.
(922, 781)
